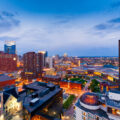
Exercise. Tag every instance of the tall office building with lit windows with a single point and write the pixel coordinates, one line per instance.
(44, 54)
(33, 65)
(10, 47)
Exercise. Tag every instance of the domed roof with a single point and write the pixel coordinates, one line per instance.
(90, 99)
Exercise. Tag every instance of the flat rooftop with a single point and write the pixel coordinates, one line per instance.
(113, 71)
(51, 76)
(114, 102)
(5, 78)
(44, 92)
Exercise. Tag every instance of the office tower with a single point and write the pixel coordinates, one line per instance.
(119, 61)
(29, 62)
(33, 64)
(40, 63)
(45, 54)
(29, 65)
(10, 47)
(49, 62)
(8, 62)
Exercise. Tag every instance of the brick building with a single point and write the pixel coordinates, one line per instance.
(8, 62)
(6, 80)
(33, 65)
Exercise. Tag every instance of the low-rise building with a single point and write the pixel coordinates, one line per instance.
(6, 80)
(70, 84)
(93, 106)
(38, 101)
(51, 78)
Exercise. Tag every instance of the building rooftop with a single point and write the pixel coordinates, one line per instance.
(42, 93)
(113, 103)
(51, 76)
(4, 77)
(9, 91)
(113, 98)
(90, 99)
(78, 82)
(113, 71)
(98, 112)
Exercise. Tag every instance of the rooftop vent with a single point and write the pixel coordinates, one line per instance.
(34, 101)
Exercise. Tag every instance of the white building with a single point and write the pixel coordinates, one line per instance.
(98, 107)
(88, 107)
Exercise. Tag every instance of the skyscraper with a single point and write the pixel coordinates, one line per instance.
(44, 54)
(119, 60)
(33, 64)
(10, 47)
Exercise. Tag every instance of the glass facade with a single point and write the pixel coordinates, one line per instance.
(10, 47)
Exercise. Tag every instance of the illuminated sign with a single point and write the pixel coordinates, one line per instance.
(29, 73)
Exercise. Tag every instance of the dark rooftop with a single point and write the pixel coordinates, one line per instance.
(42, 92)
(52, 76)
(9, 91)
(4, 78)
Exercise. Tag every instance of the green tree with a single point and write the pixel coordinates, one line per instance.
(94, 86)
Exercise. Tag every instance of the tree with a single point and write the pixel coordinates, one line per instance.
(94, 86)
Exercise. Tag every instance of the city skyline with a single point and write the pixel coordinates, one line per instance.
(79, 28)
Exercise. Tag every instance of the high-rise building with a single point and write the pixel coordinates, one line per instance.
(44, 54)
(33, 64)
(40, 63)
(10, 47)
(8, 62)
(49, 62)
(119, 61)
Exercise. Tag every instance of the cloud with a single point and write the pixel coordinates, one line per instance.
(116, 4)
(110, 24)
(116, 20)
(3, 38)
(8, 21)
(101, 27)
(61, 34)
(8, 14)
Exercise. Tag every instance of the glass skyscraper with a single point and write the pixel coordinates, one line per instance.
(10, 47)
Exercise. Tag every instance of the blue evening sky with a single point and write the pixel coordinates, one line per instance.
(76, 27)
